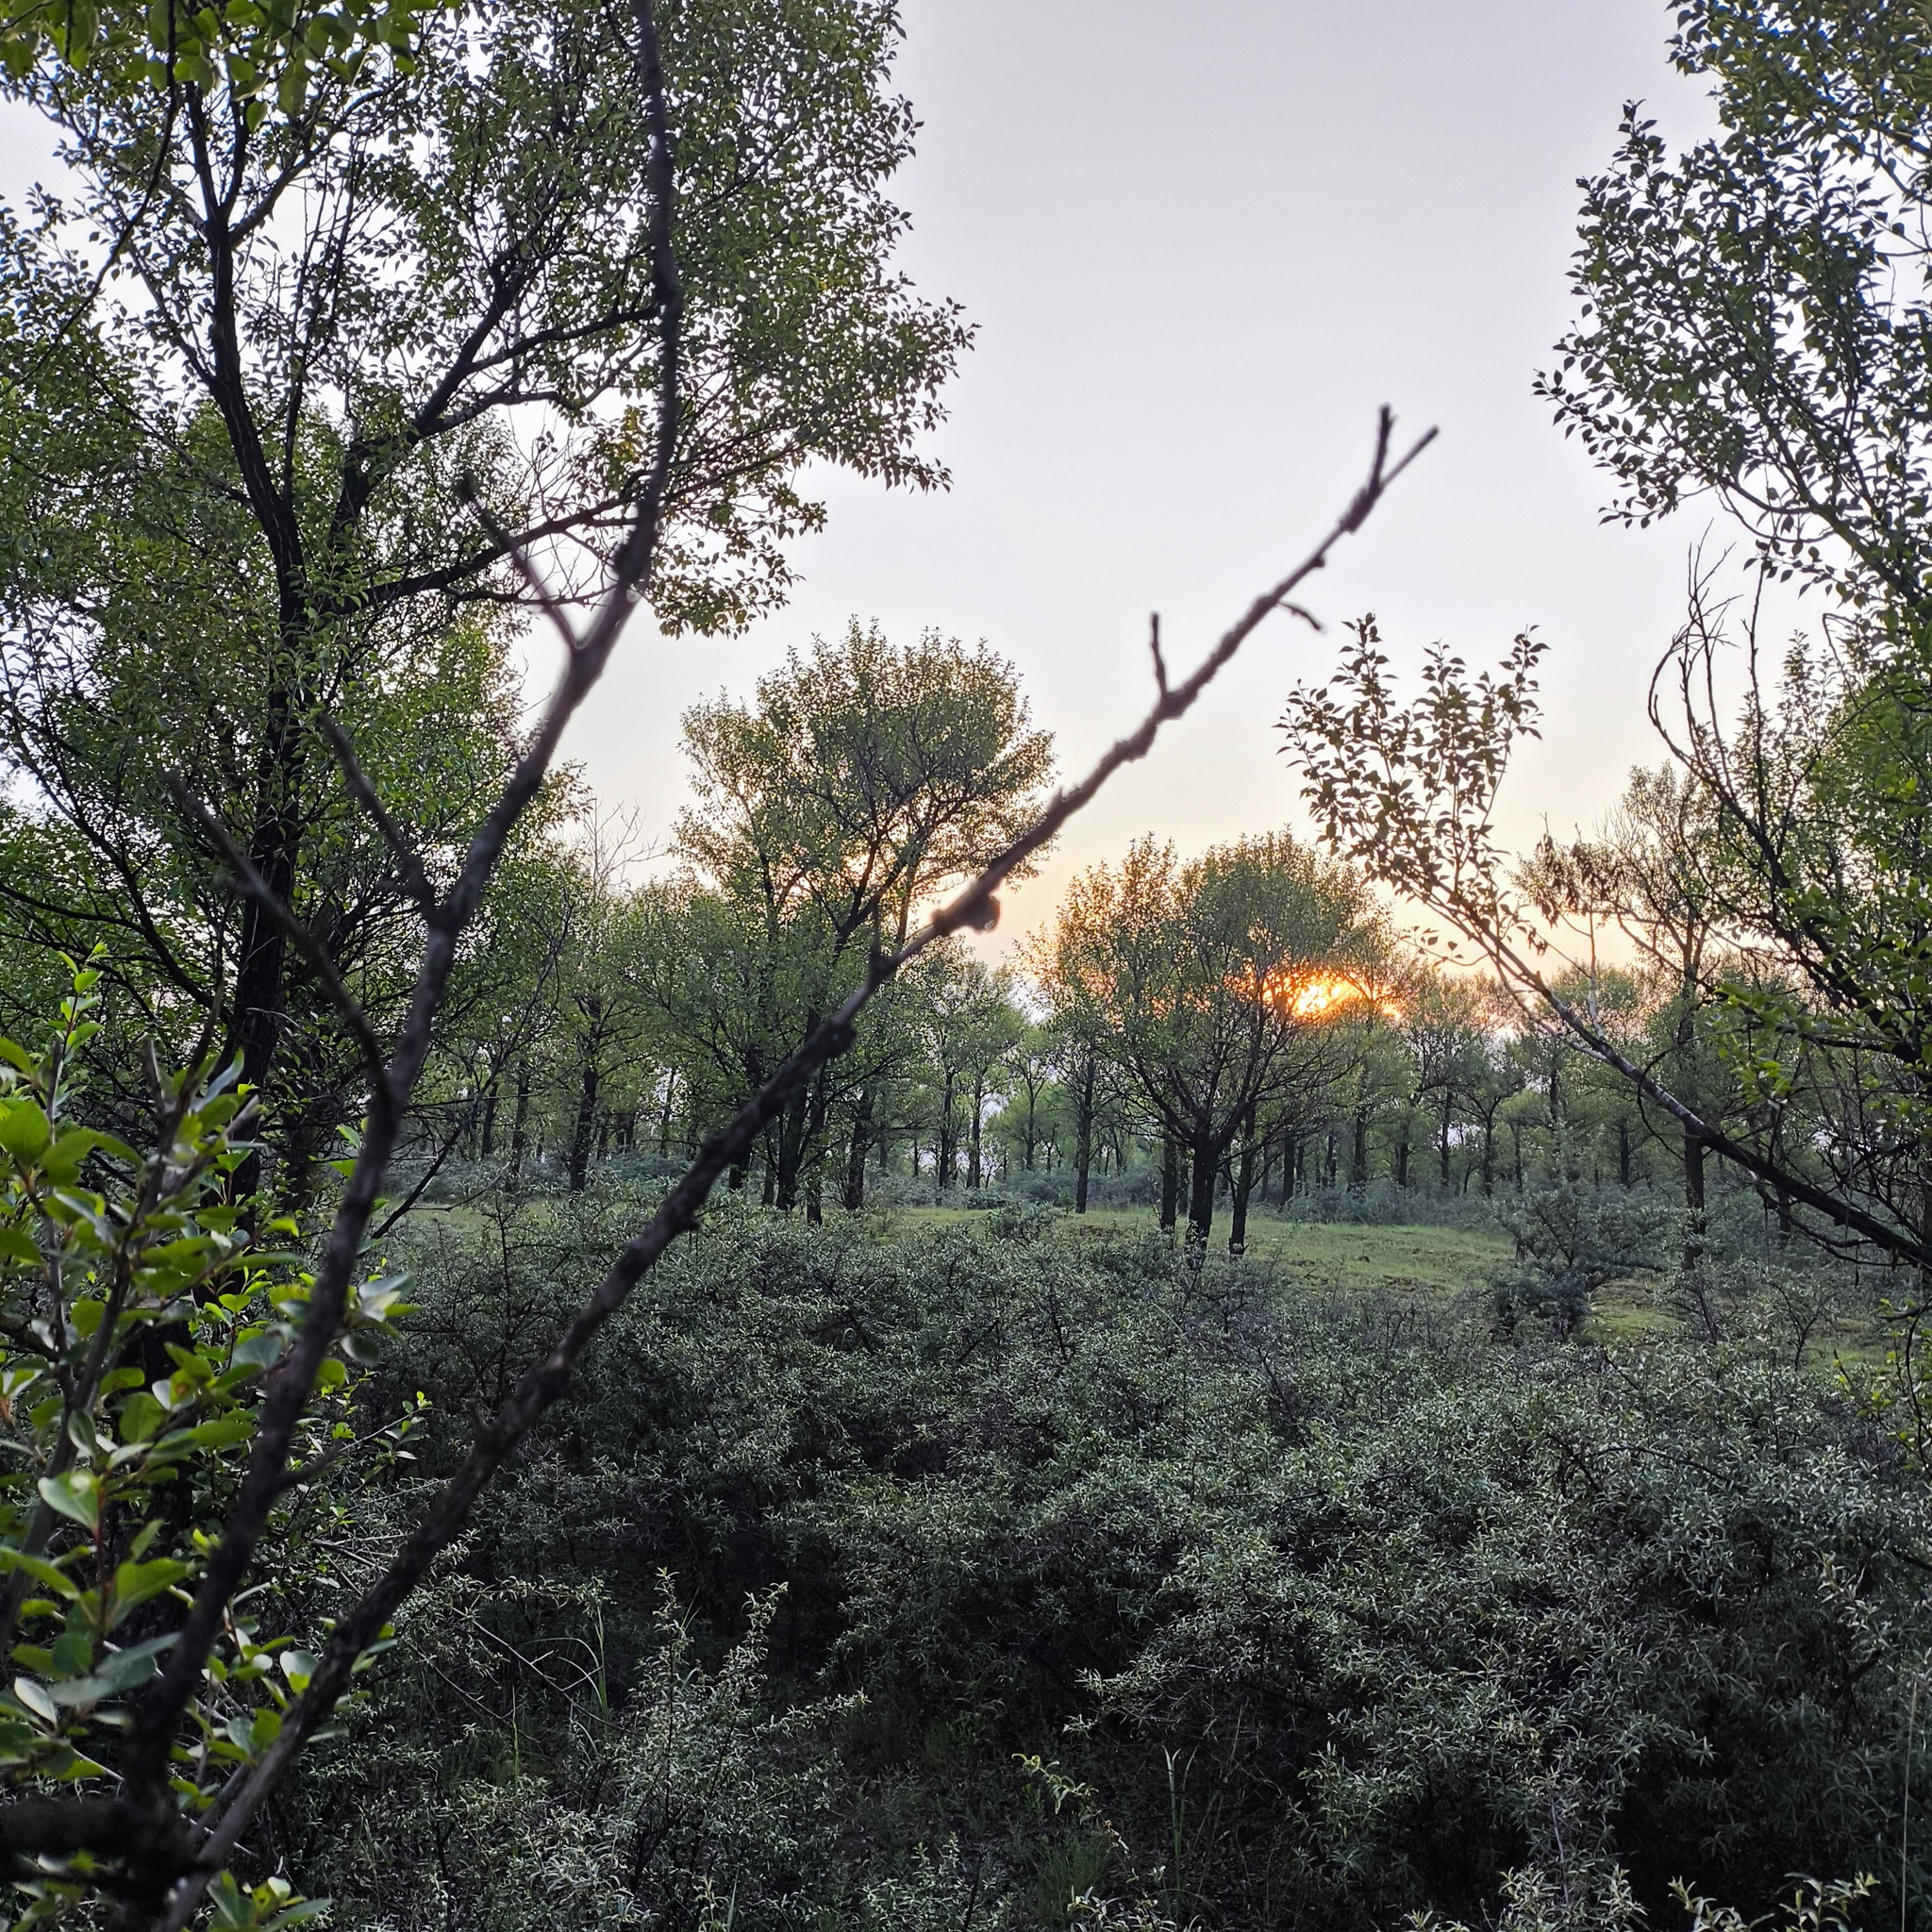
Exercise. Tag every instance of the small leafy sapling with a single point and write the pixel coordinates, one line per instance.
(142, 1309)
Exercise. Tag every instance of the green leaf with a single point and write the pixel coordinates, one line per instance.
(24, 1130)
(33, 1697)
(141, 1416)
(72, 1655)
(299, 1667)
(62, 1161)
(16, 1244)
(295, 1914)
(135, 1583)
(120, 1671)
(40, 1570)
(224, 1431)
(77, 1496)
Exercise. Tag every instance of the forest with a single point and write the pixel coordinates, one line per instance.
(557, 1370)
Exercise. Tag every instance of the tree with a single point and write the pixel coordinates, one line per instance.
(1407, 793)
(392, 262)
(864, 779)
(161, 1843)
(1213, 985)
(1755, 329)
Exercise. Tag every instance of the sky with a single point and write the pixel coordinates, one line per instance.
(1202, 241)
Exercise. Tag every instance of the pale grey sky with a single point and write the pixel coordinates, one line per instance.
(1203, 239)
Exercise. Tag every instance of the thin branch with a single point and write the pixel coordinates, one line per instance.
(519, 555)
(973, 906)
(312, 949)
(407, 861)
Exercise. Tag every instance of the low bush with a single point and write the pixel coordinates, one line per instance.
(1006, 1572)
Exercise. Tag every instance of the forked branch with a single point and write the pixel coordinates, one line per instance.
(973, 907)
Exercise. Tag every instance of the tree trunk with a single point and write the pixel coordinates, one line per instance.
(664, 1117)
(791, 1152)
(1170, 1182)
(1623, 1152)
(1490, 1156)
(1402, 1159)
(258, 1014)
(972, 1167)
(812, 1156)
(586, 1122)
(855, 1153)
(1243, 1183)
(1693, 1199)
(945, 1155)
(1201, 1195)
(1448, 1102)
(1084, 1144)
(520, 1120)
(1358, 1154)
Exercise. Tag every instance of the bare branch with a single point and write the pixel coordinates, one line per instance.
(364, 792)
(312, 949)
(976, 905)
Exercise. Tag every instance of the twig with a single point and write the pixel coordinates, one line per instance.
(448, 1513)
(364, 793)
(525, 567)
(312, 949)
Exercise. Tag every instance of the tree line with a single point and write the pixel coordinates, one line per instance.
(1205, 1035)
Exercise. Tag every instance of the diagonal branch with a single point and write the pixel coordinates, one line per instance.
(287, 1388)
(364, 792)
(312, 949)
(975, 907)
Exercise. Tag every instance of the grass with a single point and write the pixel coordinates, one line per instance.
(1343, 1254)
(1416, 1265)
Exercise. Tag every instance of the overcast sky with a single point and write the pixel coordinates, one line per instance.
(1202, 241)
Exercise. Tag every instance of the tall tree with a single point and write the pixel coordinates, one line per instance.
(389, 262)
(861, 781)
(1214, 985)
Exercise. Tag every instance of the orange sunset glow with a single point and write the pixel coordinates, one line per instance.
(1317, 995)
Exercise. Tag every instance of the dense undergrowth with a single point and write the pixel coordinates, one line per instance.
(1000, 1574)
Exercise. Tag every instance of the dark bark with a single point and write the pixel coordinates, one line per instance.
(946, 1153)
(1693, 1199)
(1170, 1183)
(791, 1137)
(587, 1117)
(1243, 1185)
(1205, 1160)
(854, 1198)
(520, 1118)
(1083, 1158)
